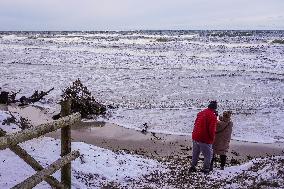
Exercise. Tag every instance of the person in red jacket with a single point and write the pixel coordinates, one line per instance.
(203, 136)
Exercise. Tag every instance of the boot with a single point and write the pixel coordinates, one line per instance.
(192, 169)
(212, 163)
(223, 159)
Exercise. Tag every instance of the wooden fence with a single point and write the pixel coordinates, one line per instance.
(11, 141)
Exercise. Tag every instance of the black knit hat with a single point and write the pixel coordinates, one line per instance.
(213, 105)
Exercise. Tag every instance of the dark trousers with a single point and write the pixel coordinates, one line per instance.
(223, 159)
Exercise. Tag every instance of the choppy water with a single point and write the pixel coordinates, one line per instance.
(162, 78)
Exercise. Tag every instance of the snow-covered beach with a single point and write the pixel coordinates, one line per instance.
(117, 157)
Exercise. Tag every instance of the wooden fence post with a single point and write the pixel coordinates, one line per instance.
(66, 144)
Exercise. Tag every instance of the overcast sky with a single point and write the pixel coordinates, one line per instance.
(140, 14)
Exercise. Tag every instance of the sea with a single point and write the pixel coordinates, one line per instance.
(162, 78)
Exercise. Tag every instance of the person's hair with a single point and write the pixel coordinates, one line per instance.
(213, 105)
(227, 114)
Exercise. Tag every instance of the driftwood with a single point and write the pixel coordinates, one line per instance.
(28, 134)
(23, 154)
(10, 97)
(49, 170)
(23, 123)
(34, 98)
(4, 97)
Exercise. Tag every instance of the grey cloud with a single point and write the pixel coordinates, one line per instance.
(139, 14)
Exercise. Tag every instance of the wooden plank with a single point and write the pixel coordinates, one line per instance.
(41, 175)
(23, 154)
(28, 134)
(53, 182)
(66, 144)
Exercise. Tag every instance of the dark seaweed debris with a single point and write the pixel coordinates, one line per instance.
(82, 100)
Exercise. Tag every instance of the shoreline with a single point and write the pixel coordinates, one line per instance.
(175, 133)
(157, 145)
(38, 115)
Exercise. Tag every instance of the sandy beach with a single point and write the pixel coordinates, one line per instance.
(173, 153)
(114, 137)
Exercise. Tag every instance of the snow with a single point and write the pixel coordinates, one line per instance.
(104, 165)
(259, 170)
(9, 128)
(231, 172)
(97, 167)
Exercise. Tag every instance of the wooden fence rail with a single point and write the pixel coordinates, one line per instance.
(11, 141)
(39, 176)
(28, 134)
(23, 154)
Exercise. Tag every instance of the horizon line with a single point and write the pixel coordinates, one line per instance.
(142, 30)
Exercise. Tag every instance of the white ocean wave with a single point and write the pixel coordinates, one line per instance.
(161, 83)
